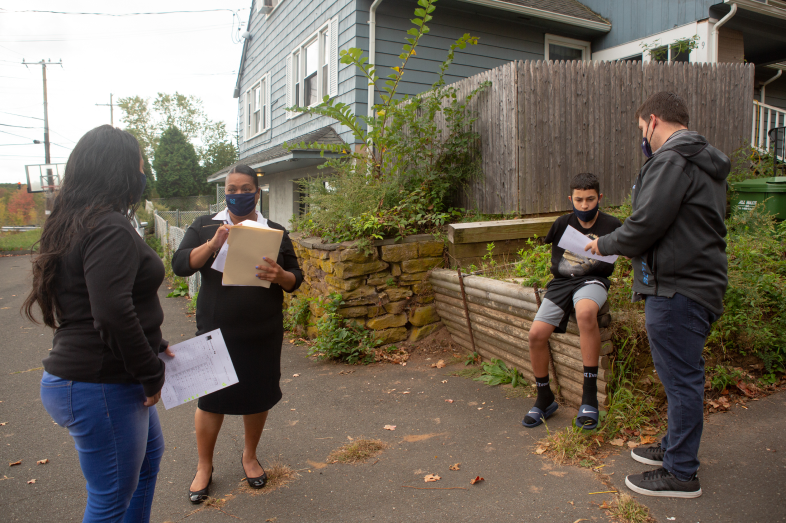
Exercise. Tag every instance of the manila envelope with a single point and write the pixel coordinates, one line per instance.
(247, 247)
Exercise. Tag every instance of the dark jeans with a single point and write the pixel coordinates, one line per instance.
(677, 329)
(119, 441)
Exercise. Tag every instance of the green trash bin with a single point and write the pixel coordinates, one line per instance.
(750, 192)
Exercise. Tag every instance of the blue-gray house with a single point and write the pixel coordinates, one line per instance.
(291, 57)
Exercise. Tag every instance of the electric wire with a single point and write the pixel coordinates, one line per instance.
(5, 11)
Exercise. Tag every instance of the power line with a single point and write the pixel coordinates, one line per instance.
(4, 11)
(28, 156)
(17, 144)
(22, 115)
(19, 126)
(61, 136)
(28, 38)
(17, 135)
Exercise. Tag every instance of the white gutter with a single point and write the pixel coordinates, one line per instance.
(765, 84)
(717, 26)
(372, 50)
(545, 15)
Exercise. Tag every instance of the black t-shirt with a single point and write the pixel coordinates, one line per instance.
(110, 319)
(567, 264)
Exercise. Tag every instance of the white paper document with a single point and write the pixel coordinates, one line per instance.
(201, 365)
(573, 241)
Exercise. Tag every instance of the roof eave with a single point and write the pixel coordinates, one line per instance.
(243, 56)
(546, 15)
(759, 7)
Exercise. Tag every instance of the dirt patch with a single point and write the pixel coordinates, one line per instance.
(413, 438)
(358, 451)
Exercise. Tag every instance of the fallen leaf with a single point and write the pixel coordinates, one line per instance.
(540, 450)
(646, 440)
(649, 432)
(15, 463)
(3, 424)
(431, 477)
(42, 461)
(405, 392)
(449, 401)
(389, 427)
(477, 479)
(455, 466)
(632, 444)
(617, 442)
(296, 375)
(444, 381)
(604, 506)
(577, 521)
(31, 482)
(440, 364)
(744, 388)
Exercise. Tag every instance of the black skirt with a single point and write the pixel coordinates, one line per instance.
(251, 322)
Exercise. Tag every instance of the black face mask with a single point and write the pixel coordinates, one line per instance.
(141, 189)
(586, 216)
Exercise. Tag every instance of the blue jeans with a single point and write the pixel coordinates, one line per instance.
(677, 329)
(119, 441)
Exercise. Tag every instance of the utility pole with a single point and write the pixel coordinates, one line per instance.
(43, 65)
(111, 112)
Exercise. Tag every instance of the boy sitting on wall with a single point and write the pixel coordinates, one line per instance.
(579, 283)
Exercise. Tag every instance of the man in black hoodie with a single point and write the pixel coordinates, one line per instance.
(675, 239)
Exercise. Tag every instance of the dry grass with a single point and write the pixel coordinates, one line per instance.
(571, 446)
(358, 451)
(627, 510)
(278, 475)
(518, 392)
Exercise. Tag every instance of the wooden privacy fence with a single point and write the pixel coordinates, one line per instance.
(500, 315)
(541, 122)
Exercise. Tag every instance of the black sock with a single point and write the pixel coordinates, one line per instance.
(590, 392)
(545, 396)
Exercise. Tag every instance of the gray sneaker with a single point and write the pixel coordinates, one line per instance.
(661, 482)
(649, 455)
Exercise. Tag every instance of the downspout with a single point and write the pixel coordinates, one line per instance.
(717, 26)
(372, 50)
(768, 82)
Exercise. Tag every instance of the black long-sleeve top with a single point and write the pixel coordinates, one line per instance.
(245, 315)
(110, 317)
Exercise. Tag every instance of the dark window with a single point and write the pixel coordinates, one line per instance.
(561, 52)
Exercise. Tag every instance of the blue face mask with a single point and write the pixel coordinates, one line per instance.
(586, 216)
(646, 148)
(241, 204)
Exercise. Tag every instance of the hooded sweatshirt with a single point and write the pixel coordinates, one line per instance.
(675, 234)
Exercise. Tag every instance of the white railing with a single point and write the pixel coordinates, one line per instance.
(765, 117)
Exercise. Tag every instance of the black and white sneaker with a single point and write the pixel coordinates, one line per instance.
(649, 455)
(661, 482)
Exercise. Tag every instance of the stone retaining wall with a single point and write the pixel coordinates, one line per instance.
(386, 290)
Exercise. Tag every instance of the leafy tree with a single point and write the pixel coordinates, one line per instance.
(175, 163)
(149, 121)
(217, 156)
(150, 187)
(21, 207)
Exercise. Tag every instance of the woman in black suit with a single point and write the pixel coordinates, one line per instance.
(251, 322)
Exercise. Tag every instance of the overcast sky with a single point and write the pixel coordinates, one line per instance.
(193, 53)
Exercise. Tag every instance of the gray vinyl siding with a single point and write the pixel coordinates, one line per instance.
(500, 42)
(636, 19)
(273, 39)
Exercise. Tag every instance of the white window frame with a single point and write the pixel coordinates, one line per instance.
(327, 65)
(633, 48)
(571, 43)
(249, 132)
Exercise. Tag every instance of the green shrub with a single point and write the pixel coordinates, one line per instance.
(155, 244)
(341, 339)
(495, 372)
(296, 315)
(420, 152)
(535, 263)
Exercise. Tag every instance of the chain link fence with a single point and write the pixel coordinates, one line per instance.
(182, 219)
(170, 237)
(191, 203)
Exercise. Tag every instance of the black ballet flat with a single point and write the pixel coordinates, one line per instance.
(200, 496)
(255, 483)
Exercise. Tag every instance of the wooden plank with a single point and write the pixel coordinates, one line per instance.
(499, 230)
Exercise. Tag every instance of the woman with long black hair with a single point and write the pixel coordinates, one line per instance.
(96, 282)
(251, 321)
